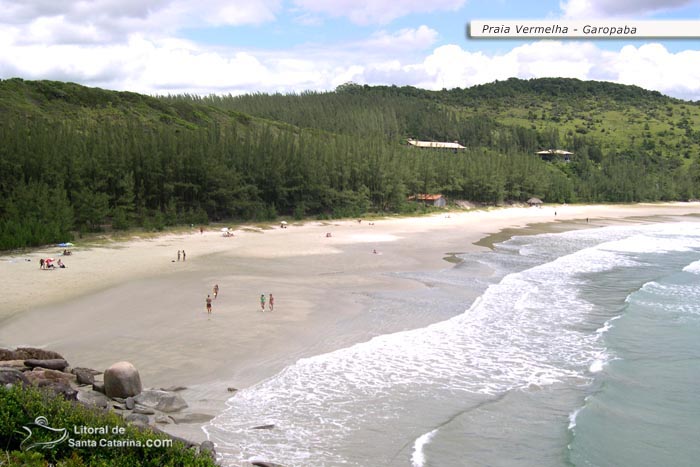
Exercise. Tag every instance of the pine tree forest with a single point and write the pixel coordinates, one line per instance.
(76, 159)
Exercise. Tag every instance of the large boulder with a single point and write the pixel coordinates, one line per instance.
(164, 401)
(52, 364)
(122, 380)
(12, 376)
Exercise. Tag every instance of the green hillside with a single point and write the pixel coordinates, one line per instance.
(545, 112)
(76, 159)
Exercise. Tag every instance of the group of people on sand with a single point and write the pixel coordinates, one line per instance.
(271, 302)
(183, 254)
(208, 300)
(48, 263)
(263, 300)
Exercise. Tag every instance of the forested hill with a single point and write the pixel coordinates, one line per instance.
(546, 112)
(76, 159)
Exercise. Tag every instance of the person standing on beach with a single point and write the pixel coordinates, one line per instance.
(178, 255)
(216, 291)
(262, 302)
(183, 255)
(208, 304)
(272, 303)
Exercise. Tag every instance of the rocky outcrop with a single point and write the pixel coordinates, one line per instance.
(120, 392)
(122, 380)
(165, 401)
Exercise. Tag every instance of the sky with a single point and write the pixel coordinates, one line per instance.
(243, 46)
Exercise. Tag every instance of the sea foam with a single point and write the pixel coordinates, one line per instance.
(349, 407)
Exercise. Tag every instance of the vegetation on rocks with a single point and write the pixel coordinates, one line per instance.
(22, 405)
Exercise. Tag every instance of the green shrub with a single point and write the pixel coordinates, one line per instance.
(22, 406)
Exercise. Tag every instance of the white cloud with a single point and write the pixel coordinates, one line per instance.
(375, 11)
(405, 39)
(109, 21)
(160, 66)
(584, 9)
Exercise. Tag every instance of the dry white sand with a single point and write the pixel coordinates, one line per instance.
(133, 301)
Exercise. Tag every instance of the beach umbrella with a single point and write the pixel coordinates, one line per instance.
(283, 222)
(66, 244)
(225, 229)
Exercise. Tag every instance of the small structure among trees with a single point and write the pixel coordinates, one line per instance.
(550, 154)
(534, 202)
(436, 200)
(455, 146)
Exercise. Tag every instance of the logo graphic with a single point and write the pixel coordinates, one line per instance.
(43, 424)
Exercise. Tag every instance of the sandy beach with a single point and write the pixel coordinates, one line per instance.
(135, 301)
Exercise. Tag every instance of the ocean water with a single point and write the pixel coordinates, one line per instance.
(582, 349)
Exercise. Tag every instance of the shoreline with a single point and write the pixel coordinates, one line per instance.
(131, 301)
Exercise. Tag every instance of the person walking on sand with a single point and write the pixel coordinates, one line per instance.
(262, 302)
(178, 255)
(216, 291)
(208, 304)
(272, 303)
(184, 257)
